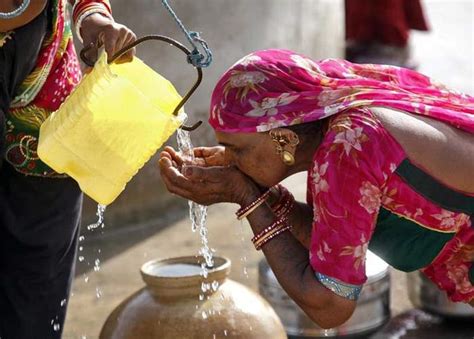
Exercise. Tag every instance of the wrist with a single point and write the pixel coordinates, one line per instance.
(249, 195)
(89, 20)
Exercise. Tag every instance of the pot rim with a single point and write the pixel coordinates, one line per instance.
(218, 273)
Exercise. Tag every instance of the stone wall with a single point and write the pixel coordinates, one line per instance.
(232, 28)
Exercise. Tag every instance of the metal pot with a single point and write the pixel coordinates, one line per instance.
(372, 311)
(423, 293)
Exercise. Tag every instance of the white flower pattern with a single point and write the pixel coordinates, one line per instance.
(319, 183)
(246, 79)
(370, 197)
(350, 139)
(268, 106)
(309, 65)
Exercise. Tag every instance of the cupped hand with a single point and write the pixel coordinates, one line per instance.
(203, 156)
(205, 181)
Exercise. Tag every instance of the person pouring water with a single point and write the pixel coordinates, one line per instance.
(40, 209)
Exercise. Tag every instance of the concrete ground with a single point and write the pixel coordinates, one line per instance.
(445, 54)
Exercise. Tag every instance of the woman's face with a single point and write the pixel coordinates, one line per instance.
(255, 155)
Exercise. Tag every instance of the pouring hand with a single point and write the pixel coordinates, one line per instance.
(112, 35)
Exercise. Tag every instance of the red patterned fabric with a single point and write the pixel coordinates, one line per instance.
(386, 21)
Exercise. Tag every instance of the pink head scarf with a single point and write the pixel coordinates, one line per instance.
(275, 88)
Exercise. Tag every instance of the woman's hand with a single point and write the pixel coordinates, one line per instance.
(113, 36)
(208, 180)
(203, 156)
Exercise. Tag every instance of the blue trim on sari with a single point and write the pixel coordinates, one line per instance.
(342, 289)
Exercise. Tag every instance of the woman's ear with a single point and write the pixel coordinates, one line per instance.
(285, 141)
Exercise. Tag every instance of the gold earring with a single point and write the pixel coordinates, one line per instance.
(281, 143)
(287, 158)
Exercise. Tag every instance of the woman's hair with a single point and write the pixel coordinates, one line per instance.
(309, 129)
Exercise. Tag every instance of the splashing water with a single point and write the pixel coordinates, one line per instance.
(197, 213)
(97, 265)
(243, 257)
(99, 224)
(100, 214)
(98, 293)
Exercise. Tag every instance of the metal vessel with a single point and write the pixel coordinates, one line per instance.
(426, 295)
(372, 311)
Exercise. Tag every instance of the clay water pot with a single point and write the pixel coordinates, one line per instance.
(173, 305)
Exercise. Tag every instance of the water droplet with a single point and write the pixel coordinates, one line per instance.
(97, 265)
(86, 279)
(56, 327)
(225, 333)
(81, 248)
(81, 258)
(63, 302)
(100, 214)
(98, 293)
(81, 238)
(201, 297)
(215, 285)
(204, 315)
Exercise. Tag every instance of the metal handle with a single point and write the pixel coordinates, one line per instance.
(127, 48)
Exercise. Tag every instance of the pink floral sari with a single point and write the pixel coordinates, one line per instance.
(364, 190)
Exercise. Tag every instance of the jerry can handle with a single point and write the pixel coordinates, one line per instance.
(88, 62)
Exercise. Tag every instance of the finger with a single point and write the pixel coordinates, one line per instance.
(126, 37)
(213, 174)
(175, 177)
(165, 154)
(174, 155)
(175, 189)
(110, 41)
(206, 151)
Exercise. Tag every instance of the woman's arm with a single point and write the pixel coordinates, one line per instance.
(288, 258)
(96, 26)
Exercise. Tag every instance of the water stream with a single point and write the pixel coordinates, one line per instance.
(197, 213)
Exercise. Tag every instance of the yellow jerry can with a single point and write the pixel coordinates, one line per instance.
(110, 126)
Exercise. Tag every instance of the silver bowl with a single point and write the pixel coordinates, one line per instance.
(426, 295)
(372, 311)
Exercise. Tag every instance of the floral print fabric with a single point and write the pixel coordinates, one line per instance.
(273, 88)
(56, 74)
(353, 175)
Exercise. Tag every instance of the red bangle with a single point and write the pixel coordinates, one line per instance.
(269, 229)
(285, 203)
(245, 211)
(270, 232)
(80, 6)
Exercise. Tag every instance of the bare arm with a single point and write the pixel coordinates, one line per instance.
(289, 260)
(286, 255)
